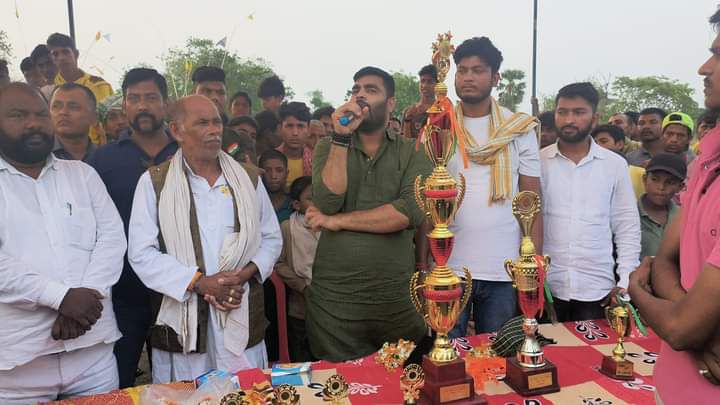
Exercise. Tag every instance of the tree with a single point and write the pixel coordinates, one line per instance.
(547, 102)
(5, 47)
(634, 94)
(407, 91)
(317, 99)
(511, 88)
(240, 74)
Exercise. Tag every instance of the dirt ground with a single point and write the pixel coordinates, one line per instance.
(145, 377)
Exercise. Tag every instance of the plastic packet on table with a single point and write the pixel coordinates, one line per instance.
(209, 394)
(163, 395)
(212, 391)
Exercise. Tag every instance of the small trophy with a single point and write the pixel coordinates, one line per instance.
(529, 373)
(616, 366)
(336, 390)
(412, 379)
(285, 394)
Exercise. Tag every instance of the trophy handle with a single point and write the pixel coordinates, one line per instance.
(509, 271)
(607, 315)
(414, 297)
(418, 194)
(468, 288)
(461, 191)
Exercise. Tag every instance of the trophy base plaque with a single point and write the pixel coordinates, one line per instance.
(448, 384)
(619, 370)
(531, 381)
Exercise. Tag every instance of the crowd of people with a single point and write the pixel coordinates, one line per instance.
(131, 221)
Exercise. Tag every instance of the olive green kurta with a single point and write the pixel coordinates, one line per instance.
(359, 297)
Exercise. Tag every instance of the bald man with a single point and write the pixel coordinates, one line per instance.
(61, 250)
(203, 235)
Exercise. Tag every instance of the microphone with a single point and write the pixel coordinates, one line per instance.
(347, 118)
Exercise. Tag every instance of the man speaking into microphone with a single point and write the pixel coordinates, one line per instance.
(363, 178)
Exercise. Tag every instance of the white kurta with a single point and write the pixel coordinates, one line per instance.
(163, 273)
(57, 232)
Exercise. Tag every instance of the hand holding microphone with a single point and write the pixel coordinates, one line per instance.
(348, 117)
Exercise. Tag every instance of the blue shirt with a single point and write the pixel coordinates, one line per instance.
(120, 165)
(283, 211)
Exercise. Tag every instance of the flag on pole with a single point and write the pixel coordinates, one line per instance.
(98, 35)
(188, 66)
(222, 42)
(106, 37)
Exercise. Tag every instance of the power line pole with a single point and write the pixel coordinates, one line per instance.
(534, 100)
(71, 19)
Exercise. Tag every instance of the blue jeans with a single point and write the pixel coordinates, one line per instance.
(492, 303)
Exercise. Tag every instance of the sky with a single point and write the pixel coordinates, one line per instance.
(320, 44)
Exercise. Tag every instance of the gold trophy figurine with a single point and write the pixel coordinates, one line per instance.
(286, 394)
(439, 296)
(529, 373)
(411, 380)
(336, 390)
(616, 366)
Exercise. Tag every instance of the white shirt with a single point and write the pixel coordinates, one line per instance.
(57, 232)
(214, 207)
(585, 206)
(486, 235)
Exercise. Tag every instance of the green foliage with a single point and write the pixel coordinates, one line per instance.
(5, 47)
(511, 88)
(240, 73)
(317, 99)
(651, 91)
(634, 94)
(547, 102)
(407, 91)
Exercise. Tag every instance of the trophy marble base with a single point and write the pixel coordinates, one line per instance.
(619, 370)
(448, 384)
(531, 381)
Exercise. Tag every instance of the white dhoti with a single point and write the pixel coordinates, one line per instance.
(169, 366)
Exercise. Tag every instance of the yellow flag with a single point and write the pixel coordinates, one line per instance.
(98, 35)
(188, 66)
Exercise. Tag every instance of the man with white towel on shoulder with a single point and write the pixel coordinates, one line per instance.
(203, 235)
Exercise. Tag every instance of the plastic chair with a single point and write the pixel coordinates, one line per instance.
(280, 301)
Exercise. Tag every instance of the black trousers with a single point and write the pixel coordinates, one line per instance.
(568, 311)
(134, 322)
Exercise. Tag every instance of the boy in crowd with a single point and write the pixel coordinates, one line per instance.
(294, 124)
(548, 132)
(613, 138)
(275, 172)
(315, 134)
(295, 265)
(663, 180)
(609, 137)
(677, 131)
(267, 133)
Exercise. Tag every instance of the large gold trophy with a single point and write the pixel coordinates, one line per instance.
(529, 373)
(439, 297)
